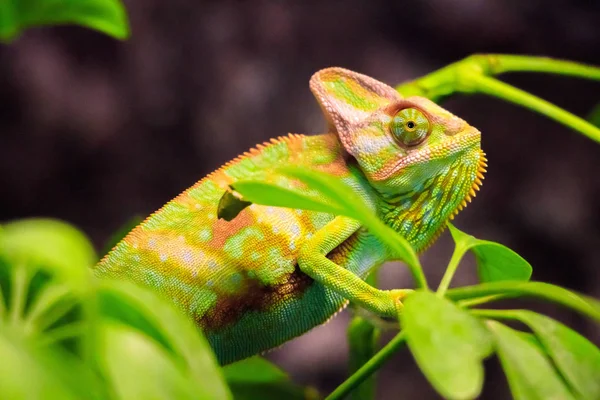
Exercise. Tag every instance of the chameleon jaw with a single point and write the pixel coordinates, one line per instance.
(475, 187)
(481, 170)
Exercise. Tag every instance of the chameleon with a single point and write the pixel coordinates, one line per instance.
(266, 275)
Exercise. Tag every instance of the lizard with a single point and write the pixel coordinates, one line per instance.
(266, 275)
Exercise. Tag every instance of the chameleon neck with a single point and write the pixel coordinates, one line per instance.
(421, 213)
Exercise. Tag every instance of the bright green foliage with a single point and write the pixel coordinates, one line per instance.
(445, 339)
(107, 16)
(47, 243)
(256, 378)
(30, 372)
(41, 320)
(575, 358)
(495, 262)
(441, 327)
(546, 291)
(530, 373)
(130, 358)
(139, 308)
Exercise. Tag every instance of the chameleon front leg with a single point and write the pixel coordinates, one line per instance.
(312, 261)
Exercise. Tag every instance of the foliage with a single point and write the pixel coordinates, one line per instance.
(65, 335)
(448, 339)
(107, 16)
(82, 338)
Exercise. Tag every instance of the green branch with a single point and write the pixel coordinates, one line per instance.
(369, 367)
(504, 91)
(473, 75)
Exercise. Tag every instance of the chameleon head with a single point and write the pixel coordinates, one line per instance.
(424, 161)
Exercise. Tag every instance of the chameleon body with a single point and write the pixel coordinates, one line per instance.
(271, 274)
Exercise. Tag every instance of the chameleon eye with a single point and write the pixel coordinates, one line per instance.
(410, 126)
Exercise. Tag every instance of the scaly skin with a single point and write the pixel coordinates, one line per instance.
(271, 274)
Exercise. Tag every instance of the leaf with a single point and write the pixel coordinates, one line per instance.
(545, 291)
(107, 16)
(51, 244)
(138, 368)
(144, 310)
(254, 369)
(266, 193)
(255, 378)
(332, 188)
(44, 280)
(495, 262)
(31, 372)
(529, 372)
(447, 343)
(577, 359)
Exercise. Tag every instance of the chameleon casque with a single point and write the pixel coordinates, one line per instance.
(271, 274)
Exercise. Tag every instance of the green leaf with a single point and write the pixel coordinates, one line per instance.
(495, 262)
(254, 370)
(447, 343)
(529, 372)
(138, 368)
(144, 310)
(50, 244)
(258, 192)
(32, 372)
(577, 359)
(107, 16)
(545, 291)
(256, 378)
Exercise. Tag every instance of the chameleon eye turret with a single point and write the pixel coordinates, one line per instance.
(410, 126)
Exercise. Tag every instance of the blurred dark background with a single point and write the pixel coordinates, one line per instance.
(95, 131)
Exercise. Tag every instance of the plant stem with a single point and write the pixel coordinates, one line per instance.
(362, 343)
(495, 64)
(47, 298)
(480, 300)
(3, 305)
(494, 314)
(472, 75)
(545, 291)
(19, 293)
(369, 367)
(504, 91)
(459, 252)
(64, 332)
